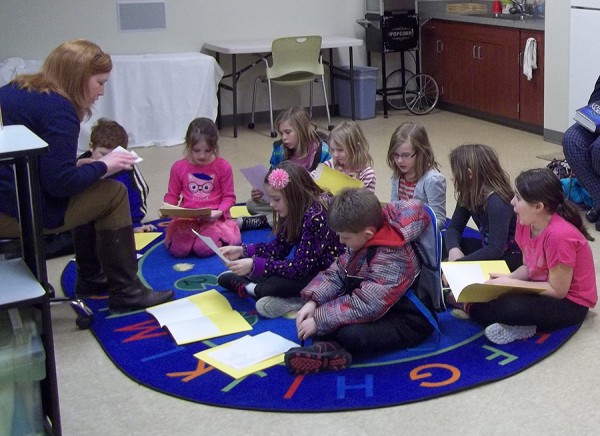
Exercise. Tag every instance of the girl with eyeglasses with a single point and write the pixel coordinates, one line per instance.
(416, 173)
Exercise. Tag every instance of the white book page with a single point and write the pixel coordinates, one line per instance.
(211, 244)
(459, 275)
(193, 330)
(251, 350)
(175, 311)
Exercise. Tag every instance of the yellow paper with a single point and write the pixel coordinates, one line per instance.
(236, 373)
(466, 280)
(333, 180)
(238, 211)
(144, 238)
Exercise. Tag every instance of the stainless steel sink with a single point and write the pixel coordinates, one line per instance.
(510, 17)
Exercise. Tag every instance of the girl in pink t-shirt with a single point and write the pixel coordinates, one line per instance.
(556, 258)
(201, 180)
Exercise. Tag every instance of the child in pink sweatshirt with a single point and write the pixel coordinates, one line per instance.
(201, 180)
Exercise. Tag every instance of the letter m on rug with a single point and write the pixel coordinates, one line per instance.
(145, 330)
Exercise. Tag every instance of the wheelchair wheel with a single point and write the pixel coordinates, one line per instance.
(421, 94)
(394, 88)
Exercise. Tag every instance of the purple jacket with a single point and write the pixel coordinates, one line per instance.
(315, 249)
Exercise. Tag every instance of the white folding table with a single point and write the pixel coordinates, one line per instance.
(261, 47)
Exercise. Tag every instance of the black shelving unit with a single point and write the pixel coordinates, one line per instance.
(20, 148)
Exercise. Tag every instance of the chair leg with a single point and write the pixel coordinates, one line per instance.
(251, 124)
(329, 125)
(310, 101)
(273, 133)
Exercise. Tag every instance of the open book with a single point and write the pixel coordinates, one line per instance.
(183, 212)
(248, 354)
(201, 316)
(333, 180)
(466, 280)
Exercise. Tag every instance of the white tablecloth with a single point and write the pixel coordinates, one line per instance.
(153, 96)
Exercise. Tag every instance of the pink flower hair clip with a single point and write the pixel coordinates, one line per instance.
(278, 179)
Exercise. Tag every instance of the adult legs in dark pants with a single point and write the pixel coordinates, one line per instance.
(105, 253)
(582, 151)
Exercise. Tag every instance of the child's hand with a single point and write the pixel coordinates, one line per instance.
(307, 328)
(84, 161)
(305, 312)
(215, 214)
(232, 252)
(241, 267)
(499, 279)
(256, 194)
(116, 162)
(455, 254)
(145, 228)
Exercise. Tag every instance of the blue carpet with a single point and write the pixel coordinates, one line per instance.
(459, 358)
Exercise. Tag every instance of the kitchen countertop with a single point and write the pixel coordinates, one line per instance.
(437, 10)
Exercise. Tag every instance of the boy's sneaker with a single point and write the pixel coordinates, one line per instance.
(233, 282)
(321, 356)
(504, 334)
(253, 222)
(274, 307)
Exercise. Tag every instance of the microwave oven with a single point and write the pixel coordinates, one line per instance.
(379, 7)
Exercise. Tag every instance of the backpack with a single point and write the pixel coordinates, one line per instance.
(560, 167)
(426, 293)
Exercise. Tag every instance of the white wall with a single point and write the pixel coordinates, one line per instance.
(556, 68)
(32, 28)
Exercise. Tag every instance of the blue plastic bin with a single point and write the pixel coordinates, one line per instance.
(365, 91)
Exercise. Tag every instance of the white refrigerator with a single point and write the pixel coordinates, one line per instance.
(585, 52)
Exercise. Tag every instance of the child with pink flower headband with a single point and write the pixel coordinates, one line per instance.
(268, 271)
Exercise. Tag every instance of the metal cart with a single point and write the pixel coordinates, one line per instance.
(397, 31)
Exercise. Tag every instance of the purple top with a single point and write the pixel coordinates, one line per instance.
(315, 249)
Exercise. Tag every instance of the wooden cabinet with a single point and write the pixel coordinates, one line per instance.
(478, 69)
(531, 92)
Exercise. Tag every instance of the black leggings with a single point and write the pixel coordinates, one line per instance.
(545, 312)
(276, 286)
(471, 245)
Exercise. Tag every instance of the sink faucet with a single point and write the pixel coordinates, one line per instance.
(519, 7)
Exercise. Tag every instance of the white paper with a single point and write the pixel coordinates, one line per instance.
(250, 350)
(120, 149)
(211, 244)
(189, 331)
(175, 311)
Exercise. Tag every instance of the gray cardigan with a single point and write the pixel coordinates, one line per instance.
(430, 189)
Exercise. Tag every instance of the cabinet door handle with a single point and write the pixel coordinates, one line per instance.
(520, 59)
(439, 46)
(474, 52)
(479, 53)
